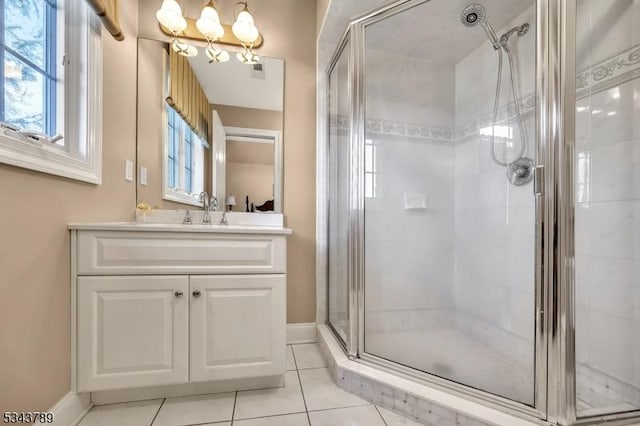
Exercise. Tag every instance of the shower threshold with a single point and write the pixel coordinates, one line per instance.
(424, 403)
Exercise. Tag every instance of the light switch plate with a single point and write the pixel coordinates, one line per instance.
(143, 175)
(128, 170)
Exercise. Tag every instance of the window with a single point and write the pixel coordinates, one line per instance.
(370, 169)
(185, 161)
(50, 54)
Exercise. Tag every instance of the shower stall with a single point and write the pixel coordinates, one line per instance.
(483, 187)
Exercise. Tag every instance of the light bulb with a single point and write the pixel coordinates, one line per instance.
(170, 16)
(245, 16)
(244, 28)
(209, 23)
(245, 32)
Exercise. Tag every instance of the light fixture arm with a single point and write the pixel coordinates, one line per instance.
(235, 9)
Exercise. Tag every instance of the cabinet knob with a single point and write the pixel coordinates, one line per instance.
(178, 293)
(196, 293)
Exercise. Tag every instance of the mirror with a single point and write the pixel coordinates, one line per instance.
(219, 130)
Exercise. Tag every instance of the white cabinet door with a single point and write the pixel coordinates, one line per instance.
(238, 325)
(132, 331)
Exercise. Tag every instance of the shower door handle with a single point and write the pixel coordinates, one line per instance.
(538, 181)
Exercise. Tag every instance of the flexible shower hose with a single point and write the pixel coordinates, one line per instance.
(523, 141)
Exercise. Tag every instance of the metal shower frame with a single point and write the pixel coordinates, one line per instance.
(555, 362)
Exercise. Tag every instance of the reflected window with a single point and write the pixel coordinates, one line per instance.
(185, 160)
(370, 169)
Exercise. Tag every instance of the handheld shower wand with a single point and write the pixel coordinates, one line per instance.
(475, 14)
(471, 16)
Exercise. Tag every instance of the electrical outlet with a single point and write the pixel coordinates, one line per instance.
(143, 176)
(128, 170)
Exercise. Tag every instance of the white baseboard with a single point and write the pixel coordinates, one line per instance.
(71, 408)
(304, 332)
(186, 389)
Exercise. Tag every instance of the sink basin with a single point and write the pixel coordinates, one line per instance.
(176, 217)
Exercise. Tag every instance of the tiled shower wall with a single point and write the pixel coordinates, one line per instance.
(494, 220)
(608, 202)
(408, 262)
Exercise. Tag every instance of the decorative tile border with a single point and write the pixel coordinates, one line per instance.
(394, 128)
(505, 114)
(411, 130)
(613, 71)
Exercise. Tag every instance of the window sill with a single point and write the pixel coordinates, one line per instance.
(47, 159)
(180, 197)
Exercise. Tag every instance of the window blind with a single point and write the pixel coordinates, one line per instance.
(107, 10)
(186, 95)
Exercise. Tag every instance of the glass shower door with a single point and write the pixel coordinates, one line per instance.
(607, 207)
(449, 228)
(339, 154)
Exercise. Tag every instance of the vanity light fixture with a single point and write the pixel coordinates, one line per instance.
(244, 28)
(208, 28)
(170, 16)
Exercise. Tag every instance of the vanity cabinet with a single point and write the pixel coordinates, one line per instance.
(152, 310)
(237, 326)
(132, 331)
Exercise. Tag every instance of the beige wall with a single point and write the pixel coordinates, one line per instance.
(34, 241)
(248, 179)
(289, 30)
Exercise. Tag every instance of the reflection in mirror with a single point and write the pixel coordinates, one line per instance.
(208, 127)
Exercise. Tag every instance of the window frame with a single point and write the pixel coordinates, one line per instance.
(373, 192)
(180, 130)
(81, 158)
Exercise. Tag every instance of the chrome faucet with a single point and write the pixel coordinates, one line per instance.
(204, 199)
(214, 203)
(187, 218)
(224, 221)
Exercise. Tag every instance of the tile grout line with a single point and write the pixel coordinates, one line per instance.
(304, 401)
(267, 416)
(85, 415)
(157, 412)
(341, 408)
(233, 412)
(293, 355)
(127, 402)
(380, 414)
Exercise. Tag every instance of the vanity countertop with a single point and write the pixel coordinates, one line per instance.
(164, 227)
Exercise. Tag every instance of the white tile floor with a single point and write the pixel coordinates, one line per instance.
(309, 396)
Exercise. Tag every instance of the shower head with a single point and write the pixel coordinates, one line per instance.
(475, 14)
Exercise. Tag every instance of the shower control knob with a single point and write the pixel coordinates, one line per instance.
(196, 293)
